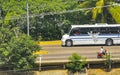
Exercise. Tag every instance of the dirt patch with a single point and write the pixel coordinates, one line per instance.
(52, 72)
(115, 71)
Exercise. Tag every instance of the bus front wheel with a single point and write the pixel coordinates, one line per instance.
(109, 42)
(69, 43)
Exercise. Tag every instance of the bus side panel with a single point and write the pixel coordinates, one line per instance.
(82, 39)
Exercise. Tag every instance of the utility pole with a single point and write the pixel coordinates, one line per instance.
(28, 33)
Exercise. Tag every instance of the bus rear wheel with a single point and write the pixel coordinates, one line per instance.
(69, 43)
(109, 42)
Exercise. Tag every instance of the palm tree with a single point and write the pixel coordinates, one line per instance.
(104, 11)
(115, 12)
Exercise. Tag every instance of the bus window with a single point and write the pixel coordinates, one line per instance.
(104, 30)
(113, 30)
(84, 30)
(96, 30)
(118, 29)
(74, 32)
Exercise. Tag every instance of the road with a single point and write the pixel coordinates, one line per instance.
(56, 52)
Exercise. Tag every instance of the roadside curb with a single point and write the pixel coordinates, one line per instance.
(56, 42)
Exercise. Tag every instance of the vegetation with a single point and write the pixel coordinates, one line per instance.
(106, 12)
(76, 64)
(16, 49)
(108, 62)
(50, 19)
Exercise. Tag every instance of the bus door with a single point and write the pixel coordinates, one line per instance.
(74, 35)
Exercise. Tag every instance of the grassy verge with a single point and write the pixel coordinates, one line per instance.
(52, 72)
(115, 71)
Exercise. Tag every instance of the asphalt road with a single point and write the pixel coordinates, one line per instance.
(56, 52)
(59, 53)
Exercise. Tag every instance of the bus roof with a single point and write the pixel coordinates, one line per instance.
(95, 25)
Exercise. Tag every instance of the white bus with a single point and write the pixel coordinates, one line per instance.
(106, 34)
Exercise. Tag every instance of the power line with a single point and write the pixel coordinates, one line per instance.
(68, 11)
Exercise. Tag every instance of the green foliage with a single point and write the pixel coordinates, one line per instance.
(97, 11)
(52, 18)
(5, 33)
(48, 26)
(17, 50)
(105, 12)
(115, 13)
(39, 38)
(108, 62)
(76, 63)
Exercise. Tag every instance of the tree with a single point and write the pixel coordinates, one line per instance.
(76, 63)
(115, 13)
(48, 17)
(17, 50)
(105, 11)
(102, 11)
(45, 19)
